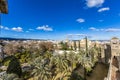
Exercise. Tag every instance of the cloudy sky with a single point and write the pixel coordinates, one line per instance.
(57, 19)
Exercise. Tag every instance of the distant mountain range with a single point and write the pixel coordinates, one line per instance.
(8, 38)
(22, 39)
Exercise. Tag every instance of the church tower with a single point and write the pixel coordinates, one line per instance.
(115, 46)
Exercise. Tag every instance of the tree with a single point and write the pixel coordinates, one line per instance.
(86, 41)
(94, 54)
(75, 46)
(61, 63)
(46, 46)
(41, 70)
(14, 67)
(79, 46)
(12, 77)
(75, 76)
(64, 46)
(10, 49)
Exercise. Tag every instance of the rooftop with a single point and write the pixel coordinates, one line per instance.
(115, 38)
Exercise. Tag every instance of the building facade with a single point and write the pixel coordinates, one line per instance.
(115, 46)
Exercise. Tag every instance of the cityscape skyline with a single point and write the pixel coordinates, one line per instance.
(44, 19)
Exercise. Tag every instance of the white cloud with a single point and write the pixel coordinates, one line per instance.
(80, 34)
(31, 29)
(70, 35)
(6, 28)
(104, 9)
(45, 28)
(94, 29)
(94, 3)
(80, 20)
(101, 29)
(1, 27)
(106, 30)
(112, 30)
(18, 29)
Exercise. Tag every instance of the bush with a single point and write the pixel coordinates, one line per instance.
(88, 69)
(11, 76)
(26, 74)
(6, 63)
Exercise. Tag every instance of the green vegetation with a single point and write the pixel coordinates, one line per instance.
(11, 76)
(64, 46)
(61, 67)
(47, 66)
(14, 67)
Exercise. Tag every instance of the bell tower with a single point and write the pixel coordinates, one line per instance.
(115, 46)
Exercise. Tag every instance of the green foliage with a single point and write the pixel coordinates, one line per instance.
(41, 70)
(59, 67)
(52, 67)
(75, 46)
(14, 67)
(6, 63)
(12, 77)
(1, 70)
(94, 52)
(88, 69)
(17, 55)
(46, 46)
(24, 57)
(26, 74)
(75, 76)
(64, 46)
(6, 60)
(0, 60)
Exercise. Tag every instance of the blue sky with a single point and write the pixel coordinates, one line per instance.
(57, 19)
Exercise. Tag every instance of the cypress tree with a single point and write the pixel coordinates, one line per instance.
(14, 67)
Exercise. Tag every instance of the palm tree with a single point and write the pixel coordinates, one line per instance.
(94, 55)
(59, 67)
(75, 59)
(63, 67)
(61, 63)
(41, 71)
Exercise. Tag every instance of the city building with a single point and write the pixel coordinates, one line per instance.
(115, 46)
